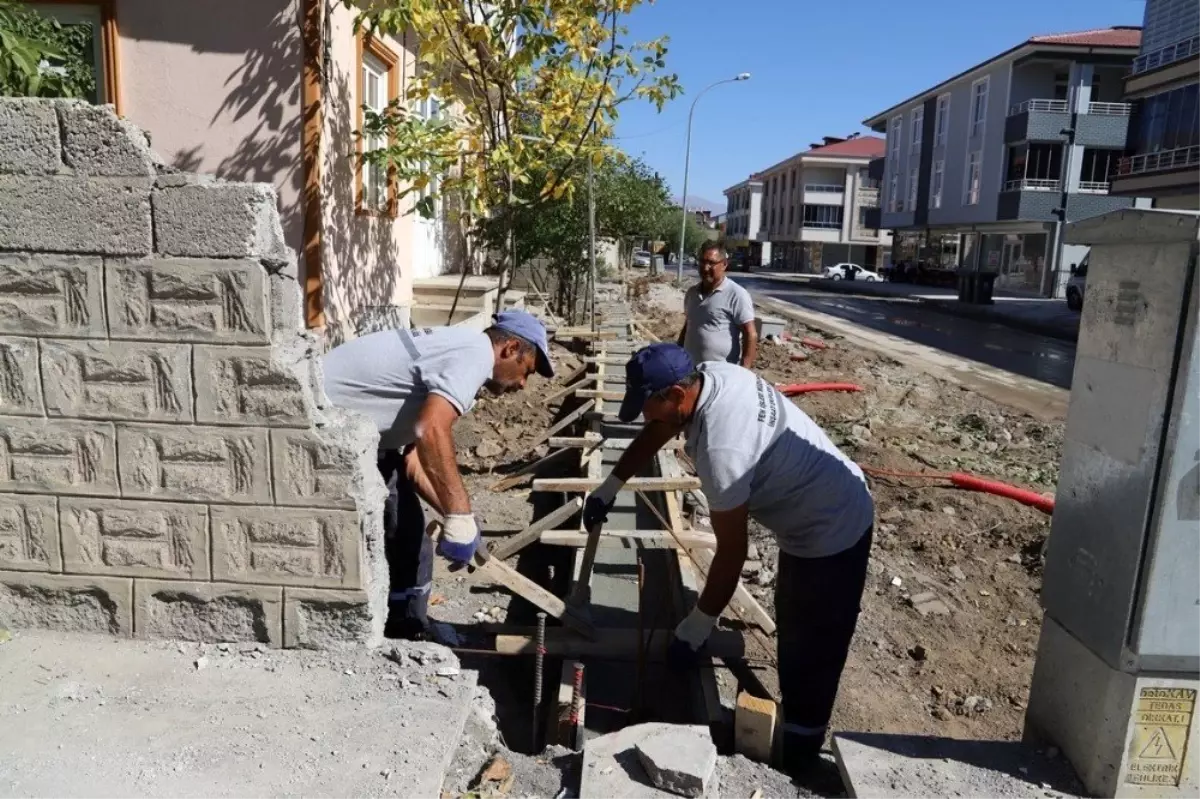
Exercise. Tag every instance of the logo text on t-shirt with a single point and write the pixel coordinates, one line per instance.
(768, 408)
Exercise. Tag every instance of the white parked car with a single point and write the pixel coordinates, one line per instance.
(850, 272)
(641, 258)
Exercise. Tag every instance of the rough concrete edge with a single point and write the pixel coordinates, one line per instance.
(132, 147)
(841, 764)
(460, 723)
(206, 593)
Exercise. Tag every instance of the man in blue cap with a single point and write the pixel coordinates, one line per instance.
(414, 384)
(759, 456)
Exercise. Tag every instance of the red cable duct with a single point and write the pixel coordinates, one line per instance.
(814, 343)
(792, 389)
(970, 482)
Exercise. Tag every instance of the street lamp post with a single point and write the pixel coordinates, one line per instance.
(687, 162)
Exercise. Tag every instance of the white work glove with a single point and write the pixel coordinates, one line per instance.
(690, 637)
(460, 537)
(595, 510)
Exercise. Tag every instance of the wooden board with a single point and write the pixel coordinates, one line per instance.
(563, 423)
(631, 538)
(612, 644)
(591, 440)
(511, 546)
(501, 573)
(593, 393)
(571, 389)
(510, 480)
(633, 484)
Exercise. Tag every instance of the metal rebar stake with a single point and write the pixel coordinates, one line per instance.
(641, 643)
(539, 657)
(577, 704)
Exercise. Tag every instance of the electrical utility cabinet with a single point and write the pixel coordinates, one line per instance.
(1118, 663)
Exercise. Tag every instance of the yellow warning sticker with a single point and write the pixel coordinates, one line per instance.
(1162, 720)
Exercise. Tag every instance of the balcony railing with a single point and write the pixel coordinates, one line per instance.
(1166, 55)
(1052, 106)
(828, 188)
(1031, 184)
(1158, 162)
(1110, 109)
(1093, 187)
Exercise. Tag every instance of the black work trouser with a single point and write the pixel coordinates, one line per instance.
(409, 551)
(816, 610)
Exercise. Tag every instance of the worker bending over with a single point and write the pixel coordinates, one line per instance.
(759, 456)
(718, 320)
(414, 384)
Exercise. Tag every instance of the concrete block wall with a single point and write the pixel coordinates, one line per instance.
(169, 465)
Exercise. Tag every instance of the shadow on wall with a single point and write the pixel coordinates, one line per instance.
(264, 89)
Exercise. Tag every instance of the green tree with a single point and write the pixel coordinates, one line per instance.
(41, 58)
(631, 203)
(531, 88)
(696, 234)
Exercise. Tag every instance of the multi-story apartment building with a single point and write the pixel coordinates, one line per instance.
(982, 169)
(1163, 158)
(815, 208)
(743, 216)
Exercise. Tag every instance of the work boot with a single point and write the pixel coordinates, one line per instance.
(400, 625)
(809, 767)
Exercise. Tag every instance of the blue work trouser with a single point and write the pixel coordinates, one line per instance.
(816, 610)
(409, 551)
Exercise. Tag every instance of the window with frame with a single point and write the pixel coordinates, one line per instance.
(895, 133)
(893, 191)
(941, 120)
(430, 109)
(95, 50)
(914, 176)
(863, 213)
(916, 123)
(1098, 168)
(979, 102)
(378, 86)
(827, 217)
(972, 178)
(937, 182)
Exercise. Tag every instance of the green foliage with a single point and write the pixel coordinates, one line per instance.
(696, 233)
(29, 43)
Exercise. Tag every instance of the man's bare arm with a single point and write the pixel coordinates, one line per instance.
(749, 344)
(642, 449)
(729, 526)
(682, 333)
(435, 449)
(420, 480)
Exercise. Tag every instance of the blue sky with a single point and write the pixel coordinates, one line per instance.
(818, 68)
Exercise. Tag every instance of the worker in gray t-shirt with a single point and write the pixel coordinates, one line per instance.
(760, 457)
(718, 320)
(414, 384)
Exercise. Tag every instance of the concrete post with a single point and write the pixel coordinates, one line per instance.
(1118, 665)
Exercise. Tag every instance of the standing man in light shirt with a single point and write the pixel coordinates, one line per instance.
(759, 456)
(718, 314)
(414, 384)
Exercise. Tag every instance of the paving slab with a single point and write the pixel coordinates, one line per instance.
(97, 716)
(885, 765)
(613, 770)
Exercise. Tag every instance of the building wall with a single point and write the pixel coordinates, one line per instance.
(168, 465)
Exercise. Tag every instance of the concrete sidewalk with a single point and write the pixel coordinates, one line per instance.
(1046, 317)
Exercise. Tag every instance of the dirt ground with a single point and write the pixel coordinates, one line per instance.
(965, 674)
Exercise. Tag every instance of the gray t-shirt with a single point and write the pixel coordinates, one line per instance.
(387, 375)
(753, 446)
(714, 322)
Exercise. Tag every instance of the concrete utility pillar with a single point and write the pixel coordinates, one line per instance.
(1118, 664)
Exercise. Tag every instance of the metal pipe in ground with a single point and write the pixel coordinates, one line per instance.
(538, 660)
(577, 705)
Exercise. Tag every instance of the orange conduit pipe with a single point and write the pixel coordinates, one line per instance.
(814, 343)
(792, 389)
(970, 482)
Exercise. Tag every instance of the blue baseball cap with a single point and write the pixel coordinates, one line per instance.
(530, 328)
(650, 370)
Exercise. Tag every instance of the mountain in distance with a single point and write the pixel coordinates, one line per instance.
(701, 203)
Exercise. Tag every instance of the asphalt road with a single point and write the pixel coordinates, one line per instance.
(1037, 357)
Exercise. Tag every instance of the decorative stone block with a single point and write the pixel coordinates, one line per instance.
(98, 142)
(242, 385)
(309, 471)
(59, 295)
(319, 618)
(207, 218)
(120, 537)
(106, 216)
(20, 389)
(72, 603)
(197, 464)
(57, 457)
(286, 546)
(208, 611)
(117, 380)
(185, 299)
(29, 533)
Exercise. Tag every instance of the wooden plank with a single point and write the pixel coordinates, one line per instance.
(603, 335)
(579, 372)
(631, 538)
(511, 546)
(612, 643)
(593, 393)
(592, 439)
(501, 573)
(563, 423)
(706, 686)
(633, 484)
(743, 601)
(508, 481)
(571, 389)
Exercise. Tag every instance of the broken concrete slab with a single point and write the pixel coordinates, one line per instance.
(90, 715)
(613, 769)
(678, 759)
(885, 765)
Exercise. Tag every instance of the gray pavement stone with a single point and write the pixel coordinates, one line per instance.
(679, 759)
(612, 768)
(29, 143)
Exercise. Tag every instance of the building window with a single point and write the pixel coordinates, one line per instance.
(863, 213)
(916, 123)
(96, 42)
(893, 198)
(895, 133)
(378, 85)
(430, 108)
(972, 178)
(941, 120)
(791, 215)
(979, 101)
(1097, 169)
(826, 217)
(937, 183)
(1033, 166)
(913, 177)
(1166, 121)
